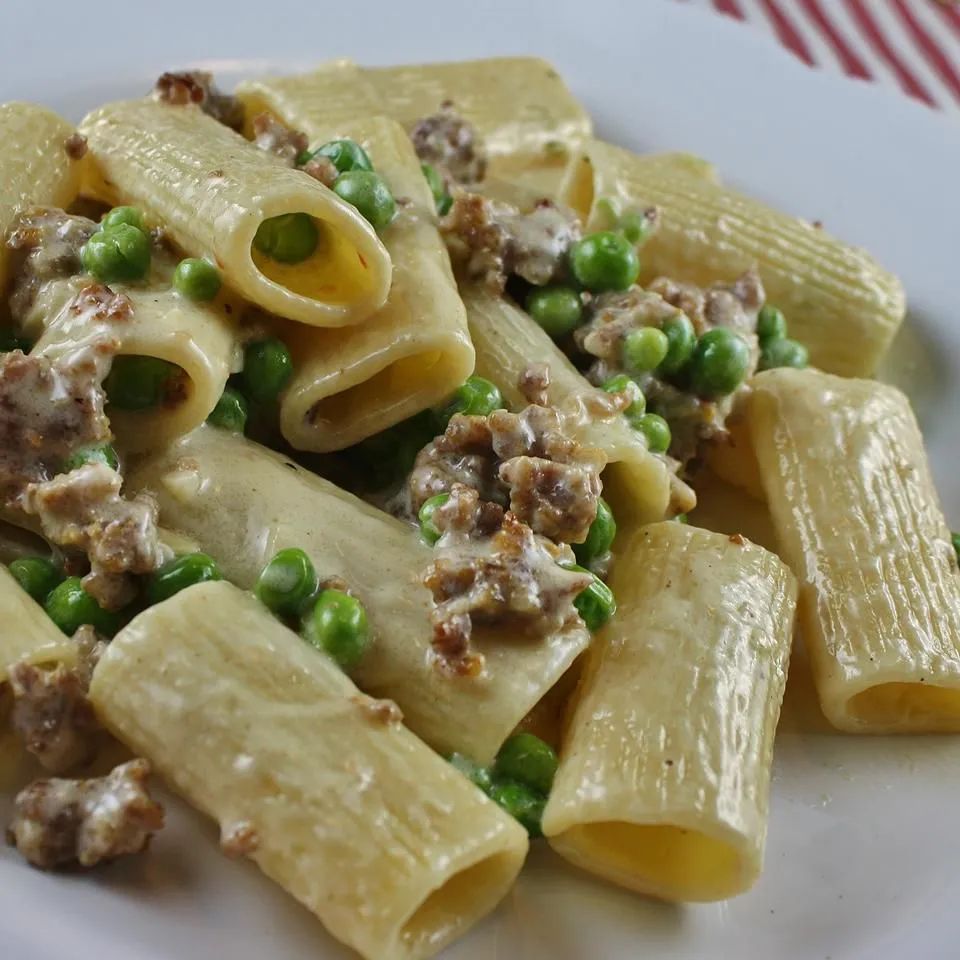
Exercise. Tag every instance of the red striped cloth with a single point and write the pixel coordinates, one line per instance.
(913, 45)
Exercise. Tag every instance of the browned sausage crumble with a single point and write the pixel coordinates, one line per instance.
(490, 568)
(61, 822)
(451, 144)
(197, 87)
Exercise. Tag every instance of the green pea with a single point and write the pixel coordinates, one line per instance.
(477, 397)
(596, 604)
(771, 324)
(954, 539)
(480, 776)
(337, 625)
(345, 155)
(783, 353)
(556, 309)
(635, 226)
(178, 574)
(196, 279)
(138, 383)
(369, 193)
(37, 575)
(69, 606)
(599, 537)
(528, 760)
(267, 367)
(719, 363)
(287, 583)
(428, 531)
(681, 518)
(131, 216)
(681, 342)
(522, 803)
(116, 255)
(230, 413)
(438, 188)
(604, 261)
(644, 349)
(102, 453)
(619, 384)
(656, 430)
(289, 238)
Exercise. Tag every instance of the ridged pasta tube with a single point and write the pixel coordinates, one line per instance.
(858, 519)
(324, 788)
(664, 772)
(241, 503)
(36, 168)
(211, 191)
(842, 305)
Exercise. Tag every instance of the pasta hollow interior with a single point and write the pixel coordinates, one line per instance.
(212, 191)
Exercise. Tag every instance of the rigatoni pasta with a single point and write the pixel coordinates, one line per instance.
(841, 304)
(209, 478)
(665, 768)
(212, 191)
(858, 519)
(39, 165)
(320, 785)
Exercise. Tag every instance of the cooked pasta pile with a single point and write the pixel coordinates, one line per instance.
(351, 432)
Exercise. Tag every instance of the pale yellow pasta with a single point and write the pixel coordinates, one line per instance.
(324, 788)
(196, 337)
(28, 634)
(639, 485)
(35, 167)
(838, 301)
(211, 191)
(415, 351)
(664, 772)
(241, 503)
(858, 519)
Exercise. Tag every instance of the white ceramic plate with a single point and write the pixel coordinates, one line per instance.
(864, 845)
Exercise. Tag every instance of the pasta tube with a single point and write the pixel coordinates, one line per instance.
(37, 166)
(196, 337)
(858, 519)
(665, 769)
(839, 302)
(241, 503)
(211, 190)
(28, 634)
(324, 788)
(415, 351)
(638, 484)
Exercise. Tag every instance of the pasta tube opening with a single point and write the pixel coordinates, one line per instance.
(907, 707)
(450, 909)
(663, 860)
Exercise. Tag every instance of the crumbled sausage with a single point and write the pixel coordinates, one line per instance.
(52, 715)
(733, 305)
(75, 146)
(451, 144)
(383, 712)
(239, 839)
(83, 509)
(493, 240)
(46, 244)
(526, 459)
(59, 822)
(272, 136)
(113, 591)
(48, 408)
(197, 87)
(507, 576)
(534, 383)
(323, 170)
